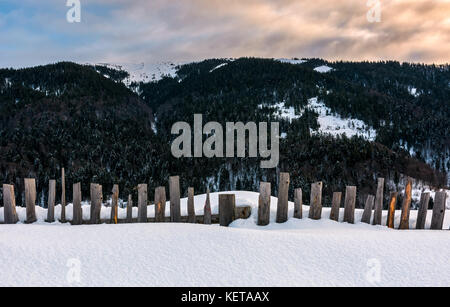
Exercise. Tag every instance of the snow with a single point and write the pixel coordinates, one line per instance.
(323, 69)
(291, 61)
(218, 67)
(413, 91)
(296, 253)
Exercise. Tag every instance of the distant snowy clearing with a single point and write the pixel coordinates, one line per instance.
(296, 253)
(323, 69)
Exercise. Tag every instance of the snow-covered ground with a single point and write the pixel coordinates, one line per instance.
(296, 253)
(323, 69)
(291, 61)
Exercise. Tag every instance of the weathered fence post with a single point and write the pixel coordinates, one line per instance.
(63, 196)
(298, 203)
(391, 210)
(130, 209)
(142, 203)
(160, 204)
(437, 220)
(227, 208)
(315, 205)
(114, 204)
(368, 207)
(378, 213)
(174, 190)
(264, 204)
(406, 207)
(9, 204)
(191, 206)
(96, 203)
(207, 219)
(77, 211)
(350, 200)
(30, 200)
(282, 206)
(335, 206)
(423, 210)
(51, 201)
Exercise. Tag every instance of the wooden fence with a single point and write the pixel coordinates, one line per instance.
(228, 211)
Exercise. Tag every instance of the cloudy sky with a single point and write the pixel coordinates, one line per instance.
(133, 31)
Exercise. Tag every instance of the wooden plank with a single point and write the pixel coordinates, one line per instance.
(336, 206)
(142, 203)
(63, 196)
(298, 203)
(207, 210)
(315, 209)
(77, 211)
(406, 206)
(9, 204)
(30, 200)
(96, 203)
(129, 209)
(282, 206)
(264, 204)
(174, 190)
(114, 204)
(378, 213)
(423, 210)
(391, 210)
(51, 201)
(227, 208)
(160, 204)
(437, 221)
(191, 206)
(368, 207)
(349, 203)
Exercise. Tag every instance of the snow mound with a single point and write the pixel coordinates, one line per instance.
(323, 69)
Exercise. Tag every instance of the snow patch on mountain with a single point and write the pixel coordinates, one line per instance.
(291, 61)
(323, 69)
(218, 67)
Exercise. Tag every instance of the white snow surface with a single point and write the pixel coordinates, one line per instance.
(218, 67)
(296, 253)
(323, 69)
(291, 61)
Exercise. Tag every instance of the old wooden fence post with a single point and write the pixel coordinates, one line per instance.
(51, 201)
(282, 206)
(191, 206)
(114, 204)
(350, 200)
(96, 203)
(130, 209)
(30, 200)
(63, 197)
(142, 203)
(423, 210)
(378, 213)
(368, 207)
(315, 205)
(174, 190)
(207, 219)
(9, 203)
(264, 204)
(335, 206)
(160, 204)
(391, 210)
(227, 208)
(437, 220)
(298, 203)
(77, 218)
(406, 207)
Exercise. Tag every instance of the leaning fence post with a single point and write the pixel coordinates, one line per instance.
(298, 204)
(423, 210)
(114, 204)
(335, 206)
(130, 209)
(9, 203)
(51, 201)
(142, 203)
(77, 211)
(96, 203)
(378, 213)
(391, 210)
(63, 196)
(191, 206)
(315, 205)
(368, 207)
(406, 207)
(30, 200)
(174, 190)
(437, 220)
(282, 206)
(160, 204)
(207, 219)
(350, 200)
(264, 204)
(227, 208)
